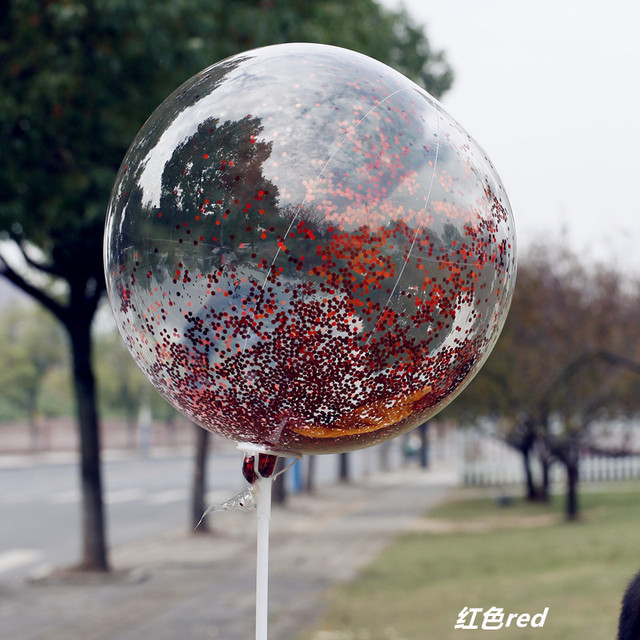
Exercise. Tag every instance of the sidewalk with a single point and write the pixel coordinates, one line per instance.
(202, 587)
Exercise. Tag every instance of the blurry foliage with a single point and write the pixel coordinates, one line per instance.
(80, 78)
(544, 363)
(555, 372)
(35, 374)
(78, 81)
(33, 350)
(122, 387)
(120, 382)
(56, 399)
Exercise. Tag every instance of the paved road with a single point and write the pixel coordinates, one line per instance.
(176, 585)
(40, 505)
(40, 500)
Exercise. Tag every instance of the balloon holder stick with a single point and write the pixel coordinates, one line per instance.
(263, 507)
(258, 469)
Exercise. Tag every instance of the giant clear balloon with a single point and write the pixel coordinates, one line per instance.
(304, 252)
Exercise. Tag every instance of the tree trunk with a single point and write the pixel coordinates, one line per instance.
(343, 470)
(572, 507)
(424, 446)
(279, 489)
(94, 547)
(532, 493)
(199, 488)
(310, 481)
(545, 492)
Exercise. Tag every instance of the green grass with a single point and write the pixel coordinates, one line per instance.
(522, 560)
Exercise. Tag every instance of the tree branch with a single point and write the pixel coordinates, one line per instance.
(612, 452)
(36, 265)
(582, 361)
(617, 361)
(38, 294)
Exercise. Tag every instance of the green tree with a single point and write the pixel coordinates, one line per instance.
(121, 384)
(31, 345)
(78, 80)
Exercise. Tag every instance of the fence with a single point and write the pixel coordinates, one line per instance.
(486, 461)
(478, 460)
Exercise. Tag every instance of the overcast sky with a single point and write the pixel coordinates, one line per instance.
(551, 90)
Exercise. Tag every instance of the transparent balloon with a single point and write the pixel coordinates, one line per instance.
(305, 253)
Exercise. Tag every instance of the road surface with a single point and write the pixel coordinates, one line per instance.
(40, 505)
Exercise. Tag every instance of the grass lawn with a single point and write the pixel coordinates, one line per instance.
(522, 558)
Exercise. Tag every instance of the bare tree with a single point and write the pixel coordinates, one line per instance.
(549, 381)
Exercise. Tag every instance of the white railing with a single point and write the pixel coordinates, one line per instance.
(486, 461)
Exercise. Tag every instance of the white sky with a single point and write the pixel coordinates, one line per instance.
(551, 90)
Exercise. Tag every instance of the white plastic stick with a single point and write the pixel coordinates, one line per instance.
(262, 561)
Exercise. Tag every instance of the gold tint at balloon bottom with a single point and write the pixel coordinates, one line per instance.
(368, 418)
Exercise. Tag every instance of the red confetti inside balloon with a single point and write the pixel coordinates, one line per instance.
(306, 253)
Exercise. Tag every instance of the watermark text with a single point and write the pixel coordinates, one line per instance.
(495, 618)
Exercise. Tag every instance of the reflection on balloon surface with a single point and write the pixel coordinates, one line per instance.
(306, 253)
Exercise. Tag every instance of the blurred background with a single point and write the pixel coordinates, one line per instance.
(549, 90)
